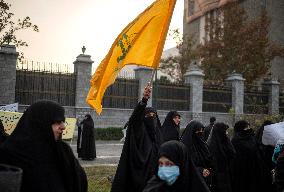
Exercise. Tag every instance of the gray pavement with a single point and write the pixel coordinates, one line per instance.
(108, 153)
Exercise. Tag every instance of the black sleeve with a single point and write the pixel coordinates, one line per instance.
(155, 185)
(72, 170)
(136, 119)
(279, 172)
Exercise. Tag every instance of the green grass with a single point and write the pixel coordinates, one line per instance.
(97, 178)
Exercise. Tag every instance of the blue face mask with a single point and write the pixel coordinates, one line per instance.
(168, 173)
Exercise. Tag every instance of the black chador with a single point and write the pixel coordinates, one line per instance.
(48, 163)
(86, 144)
(189, 179)
(3, 135)
(192, 137)
(170, 129)
(140, 151)
(223, 152)
(265, 150)
(248, 169)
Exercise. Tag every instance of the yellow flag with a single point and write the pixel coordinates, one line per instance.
(140, 43)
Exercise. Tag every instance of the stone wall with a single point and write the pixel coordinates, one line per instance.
(115, 117)
(118, 117)
(8, 57)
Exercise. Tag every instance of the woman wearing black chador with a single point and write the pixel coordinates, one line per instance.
(139, 155)
(171, 126)
(36, 147)
(192, 137)
(175, 171)
(223, 153)
(248, 168)
(86, 139)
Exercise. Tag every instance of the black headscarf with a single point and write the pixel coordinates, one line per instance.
(88, 120)
(170, 129)
(223, 152)
(240, 127)
(243, 135)
(189, 178)
(197, 148)
(48, 165)
(248, 169)
(87, 134)
(219, 143)
(3, 134)
(153, 125)
(177, 153)
(140, 151)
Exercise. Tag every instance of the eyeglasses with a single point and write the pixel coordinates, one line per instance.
(60, 122)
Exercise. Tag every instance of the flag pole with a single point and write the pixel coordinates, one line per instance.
(152, 77)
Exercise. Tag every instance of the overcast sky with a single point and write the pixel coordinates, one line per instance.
(66, 25)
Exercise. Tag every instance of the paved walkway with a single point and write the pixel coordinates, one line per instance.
(108, 153)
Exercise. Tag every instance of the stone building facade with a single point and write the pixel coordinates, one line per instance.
(195, 12)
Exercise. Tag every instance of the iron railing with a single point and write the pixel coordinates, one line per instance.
(37, 81)
(171, 96)
(217, 99)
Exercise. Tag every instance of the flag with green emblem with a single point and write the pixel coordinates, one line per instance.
(140, 43)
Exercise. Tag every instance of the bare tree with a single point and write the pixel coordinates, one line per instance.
(9, 27)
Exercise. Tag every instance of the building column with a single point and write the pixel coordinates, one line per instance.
(83, 71)
(144, 76)
(237, 83)
(273, 100)
(8, 63)
(195, 77)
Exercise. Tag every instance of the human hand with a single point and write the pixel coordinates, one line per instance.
(205, 173)
(147, 91)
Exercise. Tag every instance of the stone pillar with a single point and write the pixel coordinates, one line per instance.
(8, 62)
(194, 77)
(83, 71)
(237, 82)
(272, 86)
(144, 76)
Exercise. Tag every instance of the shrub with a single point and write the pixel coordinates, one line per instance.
(111, 133)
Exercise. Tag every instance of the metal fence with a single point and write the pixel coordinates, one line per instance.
(122, 94)
(256, 100)
(217, 99)
(171, 96)
(36, 81)
(281, 103)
